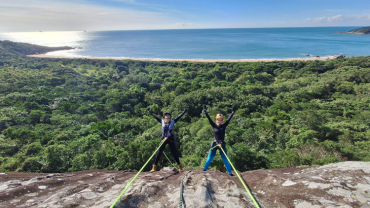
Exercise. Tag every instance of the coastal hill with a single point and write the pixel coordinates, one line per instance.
(363, 31)
(8, 48)
(59, 117)
(345, 184)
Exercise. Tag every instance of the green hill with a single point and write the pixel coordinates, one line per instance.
(59, 115)
(363, 30)
(8, 48)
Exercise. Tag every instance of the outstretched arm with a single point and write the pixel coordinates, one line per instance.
(209, 119)
(155, 116)
(181, 114)
(230, 116)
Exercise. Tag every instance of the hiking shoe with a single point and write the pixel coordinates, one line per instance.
(153, 169)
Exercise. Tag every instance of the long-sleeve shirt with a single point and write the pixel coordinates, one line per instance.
(219, 131)
(167, 128)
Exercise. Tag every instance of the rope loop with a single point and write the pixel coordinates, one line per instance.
(182, 201)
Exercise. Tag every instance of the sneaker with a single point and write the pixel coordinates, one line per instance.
(231, 174)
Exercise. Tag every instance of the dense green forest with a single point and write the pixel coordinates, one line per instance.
(59, 115)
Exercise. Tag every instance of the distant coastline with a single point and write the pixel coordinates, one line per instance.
(244, 44)
(359, 31)
(191, 60)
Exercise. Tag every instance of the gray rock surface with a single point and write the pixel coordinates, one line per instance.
(345, 184)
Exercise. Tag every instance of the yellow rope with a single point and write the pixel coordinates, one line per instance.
(246, 188)
(128, 185)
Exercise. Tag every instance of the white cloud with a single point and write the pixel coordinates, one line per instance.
(339, 18)
(125, 1)
(333, 10)
(36, 15)
(128, 2)
(184, 24)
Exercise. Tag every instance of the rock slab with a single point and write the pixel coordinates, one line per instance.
(345, 184)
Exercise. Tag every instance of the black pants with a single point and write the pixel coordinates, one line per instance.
(171, 144)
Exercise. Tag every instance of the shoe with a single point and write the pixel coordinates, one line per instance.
(153, 169)
(180, 167)
(231, 174)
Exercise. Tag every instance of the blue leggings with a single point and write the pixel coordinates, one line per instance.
(212, 154)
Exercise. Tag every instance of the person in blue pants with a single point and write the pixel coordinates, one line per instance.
(219, 129)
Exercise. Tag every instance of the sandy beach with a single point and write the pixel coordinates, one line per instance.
(187, 60)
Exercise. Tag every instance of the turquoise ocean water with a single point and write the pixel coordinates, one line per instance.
(249, 43)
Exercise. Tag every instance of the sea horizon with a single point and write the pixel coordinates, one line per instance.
(202, 44)
(180, 29)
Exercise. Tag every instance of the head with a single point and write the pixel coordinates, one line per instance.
(167, 117)
(219, 119)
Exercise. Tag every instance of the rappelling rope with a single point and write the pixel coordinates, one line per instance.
(213, 147)
(128, 185)
(246, 188)
(169, 160)
(182, 201)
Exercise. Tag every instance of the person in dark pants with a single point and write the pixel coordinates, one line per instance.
(167, 128)
(219, 129)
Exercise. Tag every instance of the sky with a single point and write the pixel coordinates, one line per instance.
(99, 15)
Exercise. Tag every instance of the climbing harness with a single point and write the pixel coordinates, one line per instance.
(128, 185)
(167, 127)
(182, 201)
(246, 188)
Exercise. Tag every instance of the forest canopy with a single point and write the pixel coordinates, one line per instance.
(59, 115)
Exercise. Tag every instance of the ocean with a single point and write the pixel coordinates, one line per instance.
(203, 44)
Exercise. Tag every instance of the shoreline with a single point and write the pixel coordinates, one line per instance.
(186, 60)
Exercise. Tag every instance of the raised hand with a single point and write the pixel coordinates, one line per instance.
(235, 108)
(205, 108)
(150, 110)
(186, 108)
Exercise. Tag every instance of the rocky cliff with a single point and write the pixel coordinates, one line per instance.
(345, 184)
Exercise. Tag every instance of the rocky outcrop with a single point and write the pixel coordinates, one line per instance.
(338, 57)
(345, 184)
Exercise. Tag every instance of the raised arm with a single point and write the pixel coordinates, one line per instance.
(181, 114)
(209, 119)
(155, 116)
(230, 116)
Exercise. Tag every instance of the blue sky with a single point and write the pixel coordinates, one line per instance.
(93, 15)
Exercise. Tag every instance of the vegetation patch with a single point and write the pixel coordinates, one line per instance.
(59, 115)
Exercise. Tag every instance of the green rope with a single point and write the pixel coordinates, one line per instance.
(169, 160)
(182, 201)
(213, 147)
(123, 192)
(246, 188)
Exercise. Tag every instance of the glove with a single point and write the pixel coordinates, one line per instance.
(186, 108)
(235, 108)
(150, 110)
(205, 108)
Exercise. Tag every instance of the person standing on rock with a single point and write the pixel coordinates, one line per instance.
(219, 129)
(167, 128)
